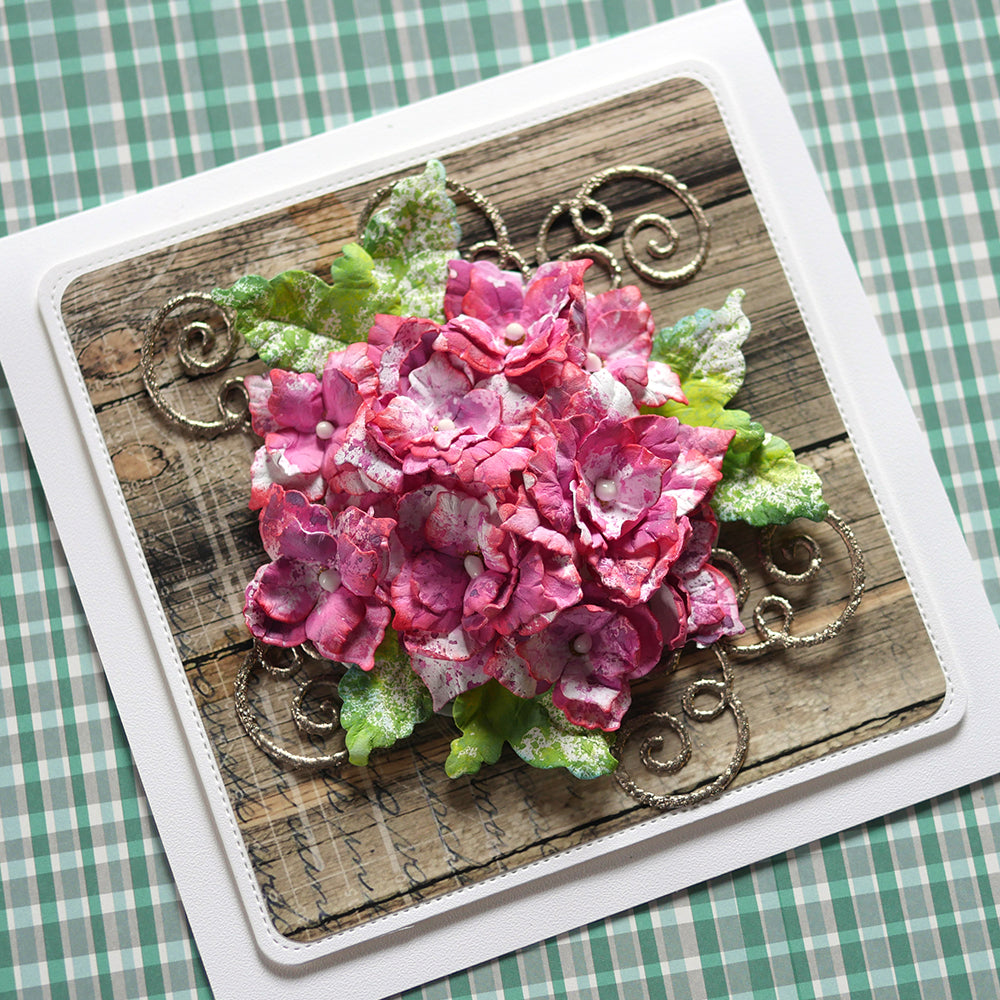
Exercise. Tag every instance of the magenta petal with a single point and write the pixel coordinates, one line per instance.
(475, 342)
(284, 591)
(480, 290)
(620, 325)
(456, 645)
(511, 670)
(296, 400)
(266, 476)
(269, 631)
(348, 628)
(364, 546)
(447, 679)
(714, 609)
(590, 702)
(293, 527)
(294, 452)
(258, 389)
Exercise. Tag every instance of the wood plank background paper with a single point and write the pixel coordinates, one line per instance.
(334, 850)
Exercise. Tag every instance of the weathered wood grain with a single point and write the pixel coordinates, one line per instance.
(333, 851)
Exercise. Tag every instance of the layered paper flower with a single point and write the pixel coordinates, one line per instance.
(489, 488)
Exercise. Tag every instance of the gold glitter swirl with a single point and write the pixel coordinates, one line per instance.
(263, 657)
(202, 350)
(661, 247)
(781, 638)
(726, 700)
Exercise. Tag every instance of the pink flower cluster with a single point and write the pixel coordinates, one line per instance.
(490, 489)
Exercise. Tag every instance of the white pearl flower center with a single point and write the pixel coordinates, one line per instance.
(606, 490)
(329, 580)
(583, 643)
(514, 333)
(474, 566)
(324, 430)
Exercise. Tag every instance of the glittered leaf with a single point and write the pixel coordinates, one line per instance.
(400, 267)
(770, 488)
(553, 741)
(411, 239)
(488, 716)
(381, 705)
(294, 320)
(761, 481)
(705, 349)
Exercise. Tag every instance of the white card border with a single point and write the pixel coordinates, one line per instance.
(721, 47)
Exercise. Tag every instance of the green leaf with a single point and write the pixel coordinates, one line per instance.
(411, 239)
(771, 488)
(419, 218)
(400, 267)
(705, 349)
(382, 705)
(553, 741)
(488, 716)
(539, 733)
(761, 481)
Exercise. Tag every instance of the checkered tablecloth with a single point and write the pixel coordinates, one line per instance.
(899, 106)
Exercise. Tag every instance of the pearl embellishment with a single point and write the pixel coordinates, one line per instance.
(583, 643)
(474, 566)
(606, 490)
(514, 332)
(329, 580)
(324, 430)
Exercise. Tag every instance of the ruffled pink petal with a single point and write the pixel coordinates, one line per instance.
(669, 609)
(266, 476)
(663, 384)
(510, 669)
(348, 628)
(295, 453)
(633, 567)
(556, 291)
(292, 527)
(427, 593)
(588, 701)
(457, 646)
(282, 593)
(270, 630)
(258, 394)
(447, 679)
(714, 609)
(480, 290)
(366, 550)
(474, 342)
(296, 400)
(620, 325)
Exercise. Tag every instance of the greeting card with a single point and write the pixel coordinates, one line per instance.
(500, 517)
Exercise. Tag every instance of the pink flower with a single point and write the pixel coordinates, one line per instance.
(626, 470)
(303, 420)
(470, 582)
(438, 419)
(326, 581)
(589, 654)
(620, 329)
(534, 329)
(697, 594)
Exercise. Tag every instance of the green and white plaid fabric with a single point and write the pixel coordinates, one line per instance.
(900, 108)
